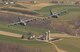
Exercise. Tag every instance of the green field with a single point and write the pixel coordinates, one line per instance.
(21, 29)
(73, 11)
(24, 29)
(45, 47)
(69, 44)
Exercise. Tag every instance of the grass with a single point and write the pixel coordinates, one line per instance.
(33, 43)
(21, 29)
(18, 40)
(70, 16)
(71, 10)
(73, 13)
(24, 29)
(69, 44)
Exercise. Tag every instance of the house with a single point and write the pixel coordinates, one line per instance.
(41, 37)
(6, 2)
(57, 2)
(31, 37)
(54, 1)
(45, 36)
(33, 2)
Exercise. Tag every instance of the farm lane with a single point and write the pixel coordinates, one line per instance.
(10, 34)
(58, 49)
(19, 35)
(63, 35)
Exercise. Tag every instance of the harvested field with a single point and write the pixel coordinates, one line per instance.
(10, 18)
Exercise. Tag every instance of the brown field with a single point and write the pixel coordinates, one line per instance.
(67, 26)
(9, 18)
(35, 6)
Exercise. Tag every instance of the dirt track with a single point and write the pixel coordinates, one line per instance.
(63, 35)
(51, 35)
(10, 34)
(58, 49)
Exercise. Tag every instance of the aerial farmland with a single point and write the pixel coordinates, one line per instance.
(39, 26)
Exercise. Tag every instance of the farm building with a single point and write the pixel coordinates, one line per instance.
(8, 2)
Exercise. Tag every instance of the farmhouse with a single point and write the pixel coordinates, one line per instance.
(8, 2)
(66, 1)
(33, 2)
(31, 37)
(46, 36)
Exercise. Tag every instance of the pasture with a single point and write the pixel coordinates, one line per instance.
(69, 44)
(73, 11)
(24, 29)
(32, 44)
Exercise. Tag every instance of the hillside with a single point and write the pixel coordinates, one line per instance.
(27, 19)
(69, 44)
(11, 44)
(49, 1)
